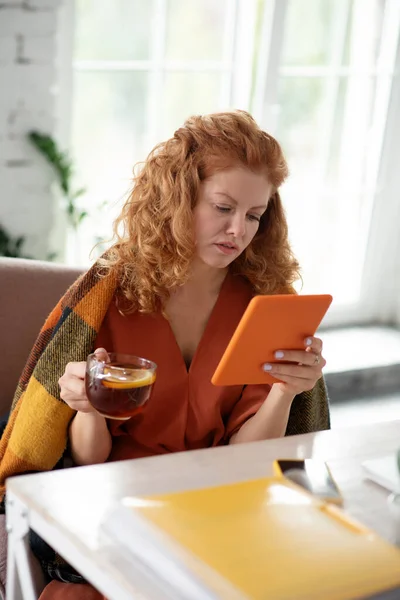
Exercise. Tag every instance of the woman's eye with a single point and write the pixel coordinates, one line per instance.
(224, 209)
(254, 218)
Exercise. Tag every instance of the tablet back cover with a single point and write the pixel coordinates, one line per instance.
(269, 323)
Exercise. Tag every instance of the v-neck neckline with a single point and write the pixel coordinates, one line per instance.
(207, 328)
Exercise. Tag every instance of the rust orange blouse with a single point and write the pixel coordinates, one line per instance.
(186, 411)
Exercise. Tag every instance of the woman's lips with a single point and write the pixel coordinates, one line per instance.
(226, 249)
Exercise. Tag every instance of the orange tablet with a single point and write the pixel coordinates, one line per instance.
(269, 323)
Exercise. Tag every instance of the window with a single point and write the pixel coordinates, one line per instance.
(139, 69)
(326, 95)
(317, 74)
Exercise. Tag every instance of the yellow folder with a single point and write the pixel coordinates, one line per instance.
(265, 539)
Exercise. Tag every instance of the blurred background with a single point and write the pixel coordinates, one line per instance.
(88, 87)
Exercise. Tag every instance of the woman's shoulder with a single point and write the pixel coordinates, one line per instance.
(96, 285)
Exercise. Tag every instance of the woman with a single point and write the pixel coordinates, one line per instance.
(201, 233)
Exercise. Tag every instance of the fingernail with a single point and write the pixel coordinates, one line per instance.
(279, 354)
(101, 354)
(308, 341)
(266, 367)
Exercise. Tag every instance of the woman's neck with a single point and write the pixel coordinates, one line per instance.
(205, 278)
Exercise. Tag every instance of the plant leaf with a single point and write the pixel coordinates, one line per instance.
(62, 166)
(78, 193)
(10, 246)
(58, 160)
(82, 216)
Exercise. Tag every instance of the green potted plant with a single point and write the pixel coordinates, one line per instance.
(62, 167)
(11, 246)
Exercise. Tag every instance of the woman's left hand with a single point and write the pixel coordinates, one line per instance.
(305, 371)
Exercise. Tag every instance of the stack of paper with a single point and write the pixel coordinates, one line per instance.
(254, 540)
(385, 471)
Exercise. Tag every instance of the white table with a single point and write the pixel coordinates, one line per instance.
(66, 507)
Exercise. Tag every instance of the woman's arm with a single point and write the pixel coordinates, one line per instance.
(301, 373)
(270, 420)
(90, 439)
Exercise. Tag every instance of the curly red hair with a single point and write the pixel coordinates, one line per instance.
(154, 233)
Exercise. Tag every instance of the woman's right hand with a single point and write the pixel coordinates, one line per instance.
(72, 385)
(89, 437)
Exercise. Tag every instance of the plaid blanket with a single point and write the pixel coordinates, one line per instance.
(35, 437)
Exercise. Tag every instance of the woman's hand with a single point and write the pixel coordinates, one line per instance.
(72, 385)
(305, 371)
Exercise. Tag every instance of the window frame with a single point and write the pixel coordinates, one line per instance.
(380, 281)
(380, 285)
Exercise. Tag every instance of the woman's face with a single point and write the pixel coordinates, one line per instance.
(227, 214)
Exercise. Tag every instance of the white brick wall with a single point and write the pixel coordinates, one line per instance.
(28, 78)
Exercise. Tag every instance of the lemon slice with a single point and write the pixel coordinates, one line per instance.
(131, 378)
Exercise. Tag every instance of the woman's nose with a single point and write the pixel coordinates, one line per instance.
(237, 226)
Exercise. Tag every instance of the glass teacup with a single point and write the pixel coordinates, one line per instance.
(119, 385)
